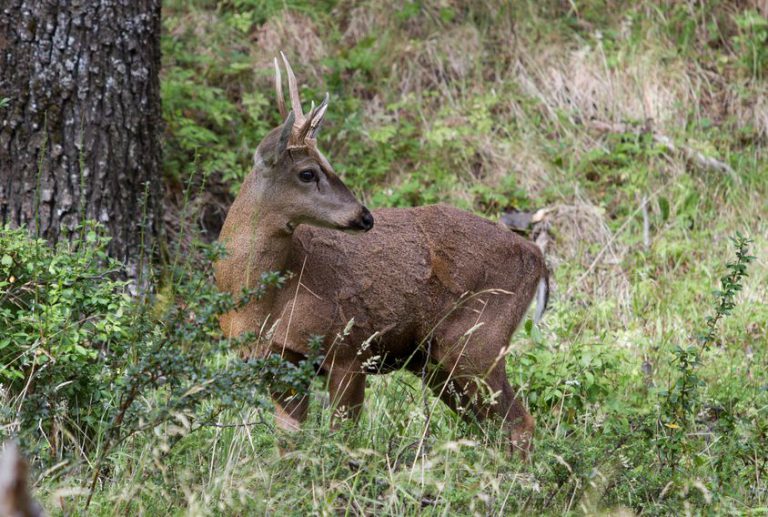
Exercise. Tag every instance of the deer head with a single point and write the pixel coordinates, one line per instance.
(293, 181)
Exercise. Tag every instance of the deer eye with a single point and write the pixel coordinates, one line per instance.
(307, 176)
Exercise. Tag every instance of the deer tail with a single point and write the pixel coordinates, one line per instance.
(542, 296)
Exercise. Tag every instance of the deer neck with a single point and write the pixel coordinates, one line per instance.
(257, 242)
(268, 250)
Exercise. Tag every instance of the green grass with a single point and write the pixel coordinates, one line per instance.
(531, 105)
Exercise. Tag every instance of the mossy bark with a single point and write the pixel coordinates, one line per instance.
(79, 134)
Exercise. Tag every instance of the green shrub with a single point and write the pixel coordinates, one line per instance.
(61, 314)
(86, 367)
(568, 381)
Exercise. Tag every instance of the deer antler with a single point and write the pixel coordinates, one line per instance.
(305, 128)
(279, 91)
(293, 91)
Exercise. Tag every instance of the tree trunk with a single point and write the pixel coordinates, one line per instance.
(80, 129)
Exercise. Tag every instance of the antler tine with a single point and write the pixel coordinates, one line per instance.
(317, 116)
(293, 91)
(306, 127)
(279, 91)
(314, 118)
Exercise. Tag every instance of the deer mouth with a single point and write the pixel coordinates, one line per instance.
(363, 223)
(357, 226)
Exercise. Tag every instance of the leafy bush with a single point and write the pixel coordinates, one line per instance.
(568, 381)
(87, 367)
(61, 315)
(681, 404)
(180, 374)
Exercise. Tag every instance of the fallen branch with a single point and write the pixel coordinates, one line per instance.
(698, 158)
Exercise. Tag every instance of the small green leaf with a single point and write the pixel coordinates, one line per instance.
(528, 326)
(664, 208)
(7, 261)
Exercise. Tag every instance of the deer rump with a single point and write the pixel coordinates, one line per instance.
(431, 284)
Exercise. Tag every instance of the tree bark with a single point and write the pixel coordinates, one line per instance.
(79, 137)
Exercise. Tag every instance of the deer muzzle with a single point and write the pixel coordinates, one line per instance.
(363, 222)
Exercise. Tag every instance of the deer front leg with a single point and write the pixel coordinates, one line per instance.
(346, 388)
(290, 413)
(290, 406)
(290, 410)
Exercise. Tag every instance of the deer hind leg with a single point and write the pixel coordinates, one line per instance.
(517, 422)
(473, 380)
(450, 390)
(476, 399)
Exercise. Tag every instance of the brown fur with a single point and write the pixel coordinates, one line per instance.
(441, 289)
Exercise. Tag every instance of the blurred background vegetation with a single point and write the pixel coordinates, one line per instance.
(640, 127)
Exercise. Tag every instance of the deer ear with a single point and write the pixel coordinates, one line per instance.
(285, 135)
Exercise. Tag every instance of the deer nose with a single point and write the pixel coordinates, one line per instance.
(366, 221)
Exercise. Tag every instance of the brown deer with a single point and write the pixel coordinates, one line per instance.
(431, 289)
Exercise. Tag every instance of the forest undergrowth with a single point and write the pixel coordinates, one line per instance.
(638, 129)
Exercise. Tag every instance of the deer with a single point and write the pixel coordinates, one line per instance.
(429, 288)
